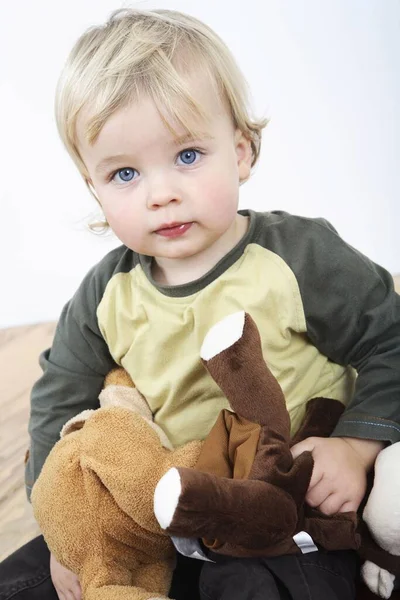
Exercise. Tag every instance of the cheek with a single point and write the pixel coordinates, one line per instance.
(219, 198)
(116, 207)
(123, 219)
(115, 212)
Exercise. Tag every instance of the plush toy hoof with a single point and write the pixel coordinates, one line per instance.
(379, 581)
(223, 335)
(166, 497)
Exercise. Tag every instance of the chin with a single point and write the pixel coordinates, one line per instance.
(178, 255)
(178, 251)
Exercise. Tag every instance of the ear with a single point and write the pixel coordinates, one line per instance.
(244, 155)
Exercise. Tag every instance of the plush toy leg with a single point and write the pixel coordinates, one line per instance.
(121, 592)
(322, 415)
(141, 582)
(379, 581)
(251, 513)
(232, 353)
(125, 573)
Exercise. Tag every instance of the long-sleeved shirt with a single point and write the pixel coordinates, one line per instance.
(329, 321)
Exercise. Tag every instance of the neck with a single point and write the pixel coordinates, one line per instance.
(180, 271)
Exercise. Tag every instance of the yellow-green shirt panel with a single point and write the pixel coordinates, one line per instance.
(157, 339)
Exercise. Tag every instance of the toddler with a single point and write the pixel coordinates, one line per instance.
(153, 110)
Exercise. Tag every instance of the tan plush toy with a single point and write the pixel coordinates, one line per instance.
(94, 497)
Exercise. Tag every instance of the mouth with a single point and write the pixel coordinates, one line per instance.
(173, 229)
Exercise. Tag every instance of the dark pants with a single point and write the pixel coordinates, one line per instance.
(25, 575)
(314, 576)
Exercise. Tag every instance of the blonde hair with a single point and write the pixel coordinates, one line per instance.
(147, 52)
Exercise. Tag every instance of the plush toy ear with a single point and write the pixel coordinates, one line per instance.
(120, 391)
(118, 376)
(322, 415)
(76, 423)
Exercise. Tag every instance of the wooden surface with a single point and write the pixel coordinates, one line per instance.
(19, 351)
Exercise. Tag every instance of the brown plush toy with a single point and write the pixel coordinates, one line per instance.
(94, 497)
(246, 495)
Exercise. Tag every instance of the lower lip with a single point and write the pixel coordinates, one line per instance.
(174, 232)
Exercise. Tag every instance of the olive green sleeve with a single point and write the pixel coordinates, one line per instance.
(73, 369)
(353, 317)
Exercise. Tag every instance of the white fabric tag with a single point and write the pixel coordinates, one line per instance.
(305, 542)
(189, 547)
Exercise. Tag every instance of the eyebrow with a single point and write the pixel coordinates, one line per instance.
(188, 137)
(108, 162)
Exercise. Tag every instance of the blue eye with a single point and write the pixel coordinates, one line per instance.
(188, 157)
(126, 174)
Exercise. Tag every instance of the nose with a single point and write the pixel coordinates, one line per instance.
(161, 192)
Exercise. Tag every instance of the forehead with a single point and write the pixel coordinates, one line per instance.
(145, 115)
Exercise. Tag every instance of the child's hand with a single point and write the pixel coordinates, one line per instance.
(339, 478)
(66, 583)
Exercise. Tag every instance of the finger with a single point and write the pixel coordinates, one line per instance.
(316, 478)
(77, 591)
(349, 506)
(304, 446)
(317, 496)
(331, 505)
(60, 593)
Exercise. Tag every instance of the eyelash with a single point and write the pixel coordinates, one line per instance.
(197, 150)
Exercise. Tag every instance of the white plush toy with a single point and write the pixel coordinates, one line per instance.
(382, 515)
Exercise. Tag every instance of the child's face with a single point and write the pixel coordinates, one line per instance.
(163, 197)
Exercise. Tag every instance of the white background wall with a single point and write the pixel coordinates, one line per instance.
(325, 71)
